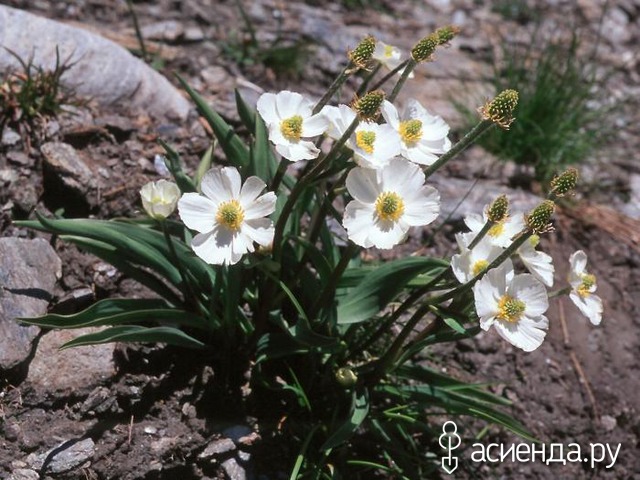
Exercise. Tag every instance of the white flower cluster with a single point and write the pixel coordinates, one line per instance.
(515, 304)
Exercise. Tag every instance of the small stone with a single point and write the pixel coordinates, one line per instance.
(10, 137)
(68, 455)
(18, 158)
(609, 423)
(236, 432)
(150, 430)
(244, 456)
(249, 440)
(169, 30)
(233, 469)
(24, 474)
(193, 34)
(99, 400)
(218, 447)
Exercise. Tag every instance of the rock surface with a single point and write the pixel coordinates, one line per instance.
(100, 69)
(64, 457)
(28, 272)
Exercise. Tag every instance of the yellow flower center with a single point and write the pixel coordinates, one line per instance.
(534, 240)
(230, 214)
(496, 230)
(365, 140)
(510, 309)
(389, 206)
(411, 131)
(588, 282)
(291, 128)
(479, 266)
(388, 51)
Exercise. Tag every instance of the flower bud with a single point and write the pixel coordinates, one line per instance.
(423, 50)
(564, 183)
(500, 109)
(361, 55)
(446, 34)
(368, 106)
(159, 198)
(346, 377)
(499, 209)
(539, 219)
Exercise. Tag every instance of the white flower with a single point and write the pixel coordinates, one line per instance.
(339, 118)
(514, 305)
(502, 232)
(469, 263)
(583, 284)
(159, 198)
(374, 145)
(423, 135)
(389, 56)
(387, 203)
(538, 263)
(229, 217)
(288, 116)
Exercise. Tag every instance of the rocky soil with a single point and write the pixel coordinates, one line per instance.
(152, 413)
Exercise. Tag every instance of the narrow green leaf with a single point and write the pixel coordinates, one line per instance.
(263, 161)
(359, 411)
(247, 114)
(134, 333)
(185, 184)
(234, 148)
(203, 166)
(379, 287)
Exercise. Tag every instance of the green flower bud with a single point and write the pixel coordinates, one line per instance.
(423, 50)
(361, 55)
(564, 183)
(446, 34)
(500, 109)
(539, 219)
(499, 209)
(346, 377)
(368, 106)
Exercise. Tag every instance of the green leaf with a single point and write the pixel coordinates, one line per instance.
(185, 184)
(134, 333)
(203, 166)
(247, 114)
(359, 411)
(234, 148)
(119, 311)
(263, 162)
(379, 287)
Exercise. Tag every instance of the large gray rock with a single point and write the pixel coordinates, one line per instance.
(101, 69)
(64, 457)
(28, 273)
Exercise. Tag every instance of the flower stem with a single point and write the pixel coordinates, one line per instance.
(282, 169)
(467, 140)
(561, 292)
(363, 86)
(384, 79)
(337, 83)
(485, 229)
(411, 64)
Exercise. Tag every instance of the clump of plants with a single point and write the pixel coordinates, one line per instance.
(562, 112)
(32, 95)
(263, 269)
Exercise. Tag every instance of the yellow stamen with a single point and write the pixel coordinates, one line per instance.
(588, 282)
(291, 128)
(388, 51)
(365, 140)
(510, 309)
(411, 130)
(389, 206)
(496, 230)
(230, 214)
(479, 266)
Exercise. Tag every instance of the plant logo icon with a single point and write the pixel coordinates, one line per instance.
(449, 441)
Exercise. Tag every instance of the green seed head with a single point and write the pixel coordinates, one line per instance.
(423, 50)
(539, 219)
(361, 55)
(346, 377)
(446, 34)
(499, 209)
(368, 106)
(500, 109)
(564, 183)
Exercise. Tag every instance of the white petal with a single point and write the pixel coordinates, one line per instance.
(424, 209)
(390, 114)
(197, 212)
(300, 150)
(590, 306)
(418, 155)
(289, 104)
(266, 107)
(215, 247)
(578, 261)
(362, 184)
(474, 222)
(358, 220)
(461, 266)
(387, 234)
(486, 296)
(315, 125)
(261, 207)
(402, 177)
(221, 184)
(259, 230)
(527, 334)
(533, 293)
